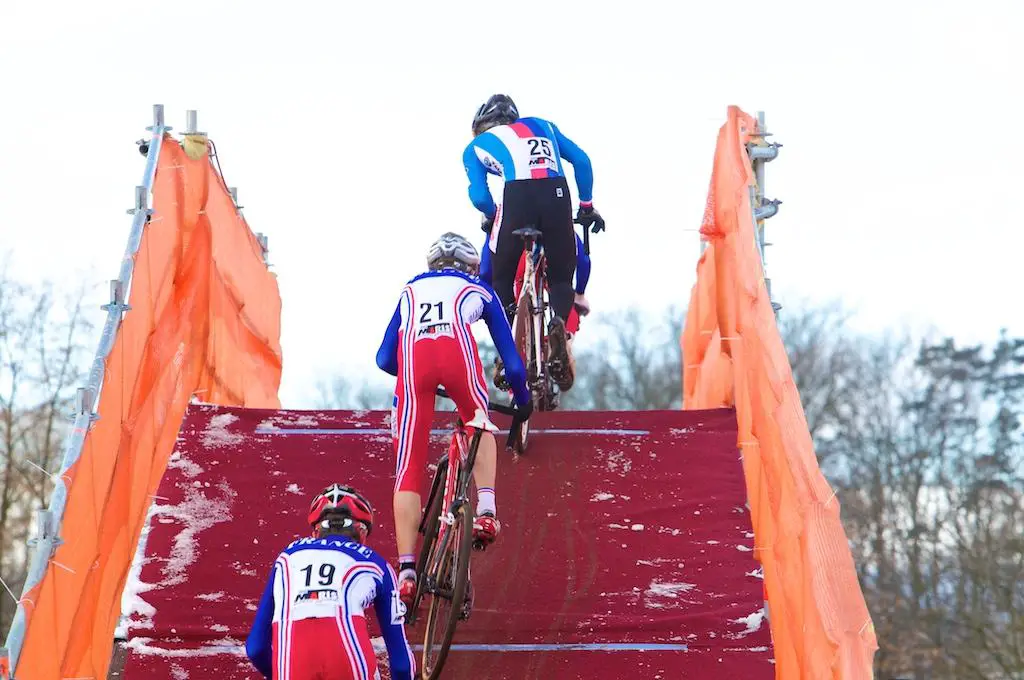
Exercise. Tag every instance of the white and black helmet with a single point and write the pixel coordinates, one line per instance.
(452, 250)
(499, 109)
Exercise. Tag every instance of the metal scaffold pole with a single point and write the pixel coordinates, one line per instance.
(761, 151)
(49, 519)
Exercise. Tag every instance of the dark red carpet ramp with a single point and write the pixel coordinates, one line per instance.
(625, 549)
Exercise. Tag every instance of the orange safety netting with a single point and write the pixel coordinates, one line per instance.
(204, 320)
(733, 356)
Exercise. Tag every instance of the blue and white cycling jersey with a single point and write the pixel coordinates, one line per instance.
(530, 148)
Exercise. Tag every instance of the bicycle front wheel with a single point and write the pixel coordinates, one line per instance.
(451, 580)
(431, 522)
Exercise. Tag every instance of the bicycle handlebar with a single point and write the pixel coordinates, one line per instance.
(586, 236)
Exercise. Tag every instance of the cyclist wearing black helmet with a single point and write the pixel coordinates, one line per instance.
(527, 153)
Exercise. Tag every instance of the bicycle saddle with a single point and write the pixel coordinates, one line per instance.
(528, 232)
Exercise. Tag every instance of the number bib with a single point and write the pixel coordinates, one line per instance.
(542, 153)
(320, 582)
(433, 320)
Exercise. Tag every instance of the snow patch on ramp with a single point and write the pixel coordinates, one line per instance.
(217, 435)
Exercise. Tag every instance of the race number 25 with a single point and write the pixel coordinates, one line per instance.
(540, 146)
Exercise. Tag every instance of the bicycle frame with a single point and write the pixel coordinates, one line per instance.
(537, 307)
(535, 294)
(456, 484)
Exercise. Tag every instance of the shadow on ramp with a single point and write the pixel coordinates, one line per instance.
(625, 552)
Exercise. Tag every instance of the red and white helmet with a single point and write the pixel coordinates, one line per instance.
(344, 500)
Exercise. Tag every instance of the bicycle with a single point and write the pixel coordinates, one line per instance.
(533, 313)
(447, 527)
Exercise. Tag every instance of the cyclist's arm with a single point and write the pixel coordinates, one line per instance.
(387, 355)
(390, 612)
(479, 194)
(501, 333)
(580, 164)
(258, 644)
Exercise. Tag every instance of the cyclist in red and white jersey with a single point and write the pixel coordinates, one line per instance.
(429, 344)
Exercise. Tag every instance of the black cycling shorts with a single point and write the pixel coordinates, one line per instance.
(545, 205)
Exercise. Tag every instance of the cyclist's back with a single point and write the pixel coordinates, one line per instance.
(428, 344)
(528, 154)
(529, 148)
(310, 623)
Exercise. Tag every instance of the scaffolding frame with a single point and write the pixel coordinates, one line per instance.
(49, 520)
(761, 151)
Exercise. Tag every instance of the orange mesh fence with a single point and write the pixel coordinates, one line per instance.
(733, 356)
(204, 319)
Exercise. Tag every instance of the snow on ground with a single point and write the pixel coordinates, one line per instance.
(225, 645)
(618, 463)
(132, 604)
(752, 622)
(664, 595)
(188, 468)
(288, 421)
(217, 435)
(196, 513)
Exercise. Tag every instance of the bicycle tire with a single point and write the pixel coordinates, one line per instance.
(460, 583)
(431, 514)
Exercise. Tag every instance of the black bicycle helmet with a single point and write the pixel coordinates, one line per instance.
(498, 110)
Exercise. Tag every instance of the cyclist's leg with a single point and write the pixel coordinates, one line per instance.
(466, 385)
(582, 305)
(517, 210)
(572, 324)
(415, 410)
(582, 266)
(560, 253)
(485, 262)
(559, 242)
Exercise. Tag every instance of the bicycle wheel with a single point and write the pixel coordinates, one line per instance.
(452, 579)
(431, 522)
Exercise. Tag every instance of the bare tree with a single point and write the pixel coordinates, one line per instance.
(40, 363)
(340, 393)
(924, 444)
(637, 366)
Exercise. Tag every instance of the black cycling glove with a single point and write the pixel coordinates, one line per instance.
(590, 218)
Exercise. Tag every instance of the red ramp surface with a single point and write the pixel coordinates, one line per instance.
(626, 546)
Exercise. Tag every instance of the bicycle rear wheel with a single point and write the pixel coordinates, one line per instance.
(450, 582)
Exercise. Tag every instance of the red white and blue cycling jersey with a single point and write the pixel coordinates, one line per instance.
(530, 148)
(310, 622)
(429, 344)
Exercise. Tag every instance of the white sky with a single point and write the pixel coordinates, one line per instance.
(343, 126)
